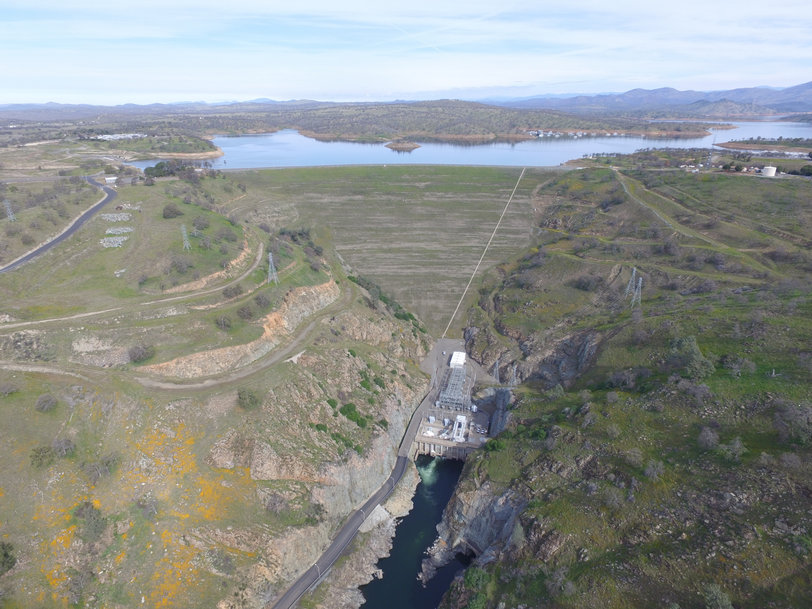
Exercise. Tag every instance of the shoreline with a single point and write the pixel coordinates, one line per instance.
(763, 147)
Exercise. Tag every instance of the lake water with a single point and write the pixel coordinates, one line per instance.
(399, 588)
(290, 149)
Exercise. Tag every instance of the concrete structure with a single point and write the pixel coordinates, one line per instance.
(457, 359)
(460, 427)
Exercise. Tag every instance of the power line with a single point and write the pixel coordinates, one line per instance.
(485, 251)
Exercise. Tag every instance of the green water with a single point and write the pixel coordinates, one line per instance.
(399, 588)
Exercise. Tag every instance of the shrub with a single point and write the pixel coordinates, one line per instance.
(654, 469)
(226, 234)
(708, 439)
(200, 223)
(171, 211)
(245, 312)
(232, 291)
(350, 411)
(587, 283)
(63, 447)
(262, 300)
(91, 522)
(7, 558)
(734, 450)
(7, 389)
(45, 403)
(247, 399)
(223, 322)
(140, 353)
(42, 456)
(716, 598)
(793, 422)
(685, 353)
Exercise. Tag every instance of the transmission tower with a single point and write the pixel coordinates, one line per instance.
(272, 276)
(9, 212)
(630, 285)
(186, 244)
(638, 292)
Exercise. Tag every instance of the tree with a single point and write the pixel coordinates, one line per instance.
(247, 399)
(685, 354)
(140, 353)
(7, 558)
(708, 439)
(171, 211)
(45, 403)
(716, 598)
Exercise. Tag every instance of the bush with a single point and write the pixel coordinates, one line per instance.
(200, 223)
(793, 422)
(350, 411)
(247, 399)
(7, 389)
(140, 353)
(91, 522)
(45, 403)
(171, 211)
(262, 300)
(232, 291)
(223, 322)
(63, 447)
(245, 312)
(654, 469)
(708, 439)
(226, 234)
(42, 456)
(7, 558)
(716, 598)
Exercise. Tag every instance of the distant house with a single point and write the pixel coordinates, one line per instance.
(110, 180)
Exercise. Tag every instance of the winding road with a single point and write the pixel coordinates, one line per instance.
(109, 195)
(345, 535)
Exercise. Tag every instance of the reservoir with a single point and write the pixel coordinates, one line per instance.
(290, 149)
(399, 588)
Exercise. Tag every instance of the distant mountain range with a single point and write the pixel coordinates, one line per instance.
(746, 101)
(653, 103)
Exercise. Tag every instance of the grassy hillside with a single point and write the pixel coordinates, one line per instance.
(129, 480)
(663, 449)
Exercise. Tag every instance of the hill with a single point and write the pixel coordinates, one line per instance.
(672, 102)
(658, 454)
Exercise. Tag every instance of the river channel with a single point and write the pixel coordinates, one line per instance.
(399, 588)
(290, 149)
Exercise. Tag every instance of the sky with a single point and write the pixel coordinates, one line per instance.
(110, 52)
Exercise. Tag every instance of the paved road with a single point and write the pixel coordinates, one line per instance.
(109, 195)
(342, 540)
(434, 363)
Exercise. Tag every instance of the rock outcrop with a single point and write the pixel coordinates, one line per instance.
(478, 520)
(299, 304)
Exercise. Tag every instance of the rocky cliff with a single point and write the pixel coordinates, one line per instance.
(480, 519)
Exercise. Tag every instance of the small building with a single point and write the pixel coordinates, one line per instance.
(457, 359)
(768, 171)
(460, 425)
